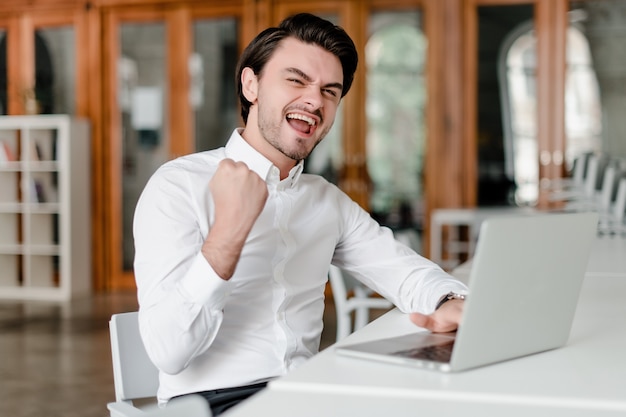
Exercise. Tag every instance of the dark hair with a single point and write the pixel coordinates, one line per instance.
(307, 28)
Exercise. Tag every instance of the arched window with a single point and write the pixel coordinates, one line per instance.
(583, 120)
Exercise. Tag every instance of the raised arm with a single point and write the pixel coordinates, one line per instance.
(189, 232)
(239, 195)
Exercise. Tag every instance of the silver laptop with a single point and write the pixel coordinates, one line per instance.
(524, 285)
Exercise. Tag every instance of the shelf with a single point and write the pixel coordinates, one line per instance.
(45, 226)
(11, 250)
(11, 166)
(41, 166)
(30, 207)
(31, 294)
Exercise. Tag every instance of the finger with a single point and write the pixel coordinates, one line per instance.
(421, 320)
(432, 322)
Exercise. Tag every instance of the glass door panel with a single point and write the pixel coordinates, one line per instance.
(212, 94)
(142, 95)
(497, 165)
(517, 62)
(395, 58)
(602, 24)
(55, 72)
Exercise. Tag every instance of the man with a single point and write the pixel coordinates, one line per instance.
(233, 245)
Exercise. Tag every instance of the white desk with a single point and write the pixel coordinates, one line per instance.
(608, 257)
(283, 403)
(587, 377)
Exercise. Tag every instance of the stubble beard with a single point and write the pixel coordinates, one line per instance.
(270, 131)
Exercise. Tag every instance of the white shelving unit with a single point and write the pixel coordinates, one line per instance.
(45, 226)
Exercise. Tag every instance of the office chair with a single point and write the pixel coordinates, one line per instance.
(361, 302)
(135, 377)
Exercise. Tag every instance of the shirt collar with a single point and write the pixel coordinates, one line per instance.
(239, 150)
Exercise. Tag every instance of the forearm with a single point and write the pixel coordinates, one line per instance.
(238, 197)
(222, 248)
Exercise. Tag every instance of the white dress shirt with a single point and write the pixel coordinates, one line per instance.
(203, 332)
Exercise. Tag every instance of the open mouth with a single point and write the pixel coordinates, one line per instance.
(301, 123)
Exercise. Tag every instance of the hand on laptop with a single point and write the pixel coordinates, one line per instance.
(444, 319)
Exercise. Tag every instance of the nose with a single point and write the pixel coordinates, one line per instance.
(313, 97)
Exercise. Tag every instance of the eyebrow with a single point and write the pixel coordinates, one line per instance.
(300, 73)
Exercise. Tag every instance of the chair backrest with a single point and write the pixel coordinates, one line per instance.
(620, 201)
(187, 406)
(341, 283)
(134, 375)
(591, 176)
(578, 170)
(361, 302)
(608, 186)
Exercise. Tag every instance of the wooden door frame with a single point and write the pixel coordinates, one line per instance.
(551, 28)
(116, 277)
(550, 20)
(178, 19)
(21, 26)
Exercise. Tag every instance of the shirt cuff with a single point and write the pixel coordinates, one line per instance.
(203, 286)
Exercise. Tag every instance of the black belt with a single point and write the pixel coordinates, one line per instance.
(222, 399)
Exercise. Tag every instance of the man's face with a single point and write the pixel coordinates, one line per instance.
(298, 93)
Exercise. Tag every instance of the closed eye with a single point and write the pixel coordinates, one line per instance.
(330, 92)
(295, 81)
(299, 78)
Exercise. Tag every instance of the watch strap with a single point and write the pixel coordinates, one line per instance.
(450, 296)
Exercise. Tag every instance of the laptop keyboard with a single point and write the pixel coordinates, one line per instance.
(437, 353)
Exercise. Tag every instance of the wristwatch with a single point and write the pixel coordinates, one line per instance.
(450, 296)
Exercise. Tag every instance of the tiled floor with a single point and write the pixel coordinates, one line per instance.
(56, 359)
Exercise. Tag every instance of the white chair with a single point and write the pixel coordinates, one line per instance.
(612, 222)
(597, 200)
(588, 187)
(361, 302)
(577, 178)
(410, 238)
(446, 239)
(190, 406)
(136, 378)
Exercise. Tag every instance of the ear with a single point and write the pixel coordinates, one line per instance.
(249, 84)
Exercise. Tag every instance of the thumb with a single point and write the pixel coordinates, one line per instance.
(421, 320)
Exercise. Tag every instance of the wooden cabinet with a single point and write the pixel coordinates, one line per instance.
(45, 224)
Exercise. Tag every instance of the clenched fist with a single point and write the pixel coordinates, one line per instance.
(239, 196)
